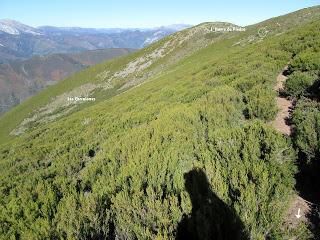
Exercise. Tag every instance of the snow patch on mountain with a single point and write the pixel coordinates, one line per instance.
(155, 37)
(32, 32)
(15, 28)
(163, 31)
(8, 29)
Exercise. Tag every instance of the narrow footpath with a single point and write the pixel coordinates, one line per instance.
(284, 105)
(299, 208)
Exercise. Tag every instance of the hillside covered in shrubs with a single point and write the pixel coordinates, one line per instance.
(185, 151)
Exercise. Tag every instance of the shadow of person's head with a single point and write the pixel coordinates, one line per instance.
(210, 218)
(198, 187)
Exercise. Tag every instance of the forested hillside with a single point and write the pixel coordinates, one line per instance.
(178, 144)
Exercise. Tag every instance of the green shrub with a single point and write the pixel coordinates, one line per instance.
(306, 61)
(261, 103)
(298, 83)
(306, 119)
(146, 139)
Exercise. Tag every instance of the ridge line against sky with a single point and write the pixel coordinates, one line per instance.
(144, 14)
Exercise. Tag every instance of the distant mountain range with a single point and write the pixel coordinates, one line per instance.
(19, 41)
(20, 79)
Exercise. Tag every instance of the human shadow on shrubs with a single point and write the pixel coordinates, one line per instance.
(314, 90)
(210, 218)
(308, 182)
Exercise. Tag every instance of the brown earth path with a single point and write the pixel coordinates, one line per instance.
(298, 207)
(284, 105)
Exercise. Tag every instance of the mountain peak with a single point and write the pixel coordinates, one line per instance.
(9, 20)
(14, 27)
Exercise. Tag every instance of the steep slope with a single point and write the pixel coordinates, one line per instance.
(22, 79)
(15, 28)
(179, 134)
(106, 80)
(136, 69)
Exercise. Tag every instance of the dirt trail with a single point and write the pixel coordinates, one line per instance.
(284, 105)
(297, 212)
(299, 208)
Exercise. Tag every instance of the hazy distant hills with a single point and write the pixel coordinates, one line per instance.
(78, 30)
(19, 41)
(20, 79)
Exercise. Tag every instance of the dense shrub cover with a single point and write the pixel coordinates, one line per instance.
(306, 61)
(260, 103)
(306, 119)
(117, 169)
(303, 85)
(298, 84)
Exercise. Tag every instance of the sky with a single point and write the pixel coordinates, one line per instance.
(142, 13)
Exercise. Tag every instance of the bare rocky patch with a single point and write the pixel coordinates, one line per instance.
(60, 106)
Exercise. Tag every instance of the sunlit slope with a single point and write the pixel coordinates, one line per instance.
(116, 167)
(101, 81)
(113, 77)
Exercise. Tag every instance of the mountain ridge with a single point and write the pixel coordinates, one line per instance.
(19, 41)
(14, 27)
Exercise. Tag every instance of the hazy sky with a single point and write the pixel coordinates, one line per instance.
(139, 13)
